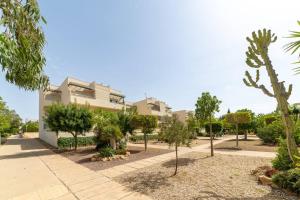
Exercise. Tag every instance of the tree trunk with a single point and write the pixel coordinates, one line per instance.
(211, 138)
(282, 97)
(237, 134)
(246, 135)
(76, 141)
(145, 141)
(113, 143)
(176, 160)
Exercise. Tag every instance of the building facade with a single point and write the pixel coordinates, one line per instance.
(153, 106)
(79, 92)
(182, 115)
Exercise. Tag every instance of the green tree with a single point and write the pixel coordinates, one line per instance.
(257, 57)
(192, 124)
(125, 120)
(107, 126)
(251, 126)
(70, 118)
(21, 44)
(31, 126)
(206, 107)
(176, 133)
(147, 123)
(237, 119)
(4, 119)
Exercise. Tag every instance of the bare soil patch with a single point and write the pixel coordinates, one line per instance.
(83, 157)
(222, 177)
(194, 142)
(248, 145)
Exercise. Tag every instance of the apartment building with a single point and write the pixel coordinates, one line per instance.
(153, 106)
(182, 115)
(83, 93)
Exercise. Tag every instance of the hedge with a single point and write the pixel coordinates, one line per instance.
(68, 142)
(136, 138)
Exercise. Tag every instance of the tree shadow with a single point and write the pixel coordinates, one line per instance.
(27, 154)
(26, 143)
(144, 181)
(181, 162)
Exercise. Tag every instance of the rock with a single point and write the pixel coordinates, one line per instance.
(93, 159)
(123, 157)
(127, 153)
(104, 159)
(265, 180)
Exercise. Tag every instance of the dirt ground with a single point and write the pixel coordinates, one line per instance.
(83, 157)
(194, 142)
(201, 177)
(248, 145)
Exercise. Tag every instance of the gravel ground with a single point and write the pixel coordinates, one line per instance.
(194, 142)
(248, 145)
(223, 177)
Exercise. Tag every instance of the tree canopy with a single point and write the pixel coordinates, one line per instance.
(21, 44)
(70, 118)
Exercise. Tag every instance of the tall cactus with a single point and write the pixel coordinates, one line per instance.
(257, 57)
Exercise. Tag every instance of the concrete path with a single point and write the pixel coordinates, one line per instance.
(31, 171)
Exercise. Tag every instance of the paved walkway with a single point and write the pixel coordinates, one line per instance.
(31, 171)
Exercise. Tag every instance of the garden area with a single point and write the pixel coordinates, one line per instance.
(202, 177)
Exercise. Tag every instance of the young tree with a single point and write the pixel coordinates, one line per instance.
(192, 124)
(21, 44)
(257, 57)
(175, 133)
(236, 119)
(70, 118)
(206, 107)
(147, 123)
(106, 126)
(251, 126)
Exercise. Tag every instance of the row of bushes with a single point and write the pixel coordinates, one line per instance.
(137, 138)
(69, 142)
(271, 133)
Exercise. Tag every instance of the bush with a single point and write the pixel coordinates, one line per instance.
(217, 127)
(282, 160)
(272, 132)
(121, 151)
(107, 152)
(288, 180)
(136, 138)
(69, 142)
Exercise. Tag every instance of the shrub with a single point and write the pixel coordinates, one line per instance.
(269, 119)
(121, 151)
(216, 127)
(272, 132)
(136, 138)
(282, 160)
(69, 142)
(107, 152)
(288, 180)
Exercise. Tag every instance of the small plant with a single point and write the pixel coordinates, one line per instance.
(107, 152)
(282, 160)
(288, 180)
(121, 152)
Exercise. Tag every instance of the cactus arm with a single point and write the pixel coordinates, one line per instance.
(251, 83)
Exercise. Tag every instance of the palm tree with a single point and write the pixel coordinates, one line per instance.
(294, 46)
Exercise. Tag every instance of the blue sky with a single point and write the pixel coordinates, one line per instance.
(173, 50)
